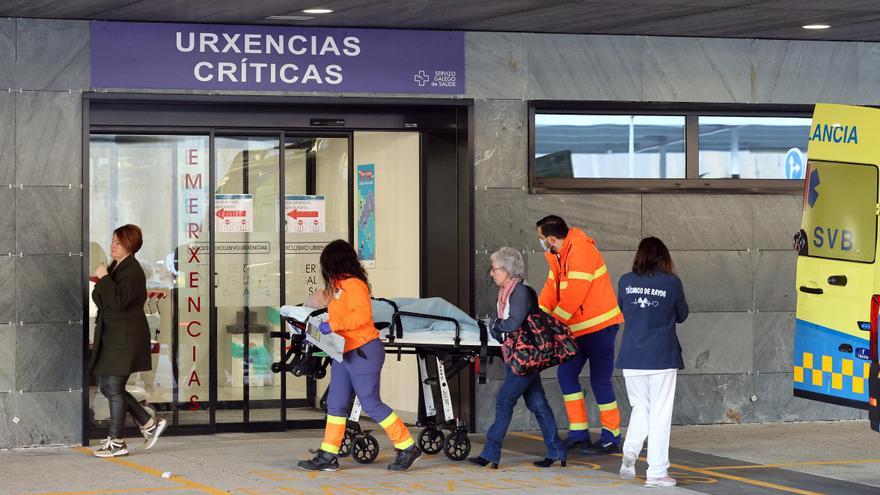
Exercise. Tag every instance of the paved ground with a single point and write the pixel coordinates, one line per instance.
(809, 458)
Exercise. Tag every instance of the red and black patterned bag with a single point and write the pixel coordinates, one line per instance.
(542, 342)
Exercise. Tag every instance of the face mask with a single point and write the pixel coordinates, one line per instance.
(544, 245)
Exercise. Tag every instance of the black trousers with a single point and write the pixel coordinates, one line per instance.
(121, 403)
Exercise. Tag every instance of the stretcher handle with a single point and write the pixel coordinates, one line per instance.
(396, 324)
(484, 351)
(457, 339)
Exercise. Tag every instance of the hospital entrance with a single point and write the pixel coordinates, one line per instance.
(236, 203)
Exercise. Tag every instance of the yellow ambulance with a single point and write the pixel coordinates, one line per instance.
(838, 267)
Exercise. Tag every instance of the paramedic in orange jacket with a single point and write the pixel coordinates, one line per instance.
(350, 314)
(579, 293)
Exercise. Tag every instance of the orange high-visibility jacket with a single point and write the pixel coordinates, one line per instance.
(351, 313)
(578, 291)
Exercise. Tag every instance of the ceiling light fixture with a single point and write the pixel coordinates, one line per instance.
(290, 18)
(816, 26)
(317, 11)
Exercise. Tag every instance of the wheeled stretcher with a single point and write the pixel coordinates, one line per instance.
(445, 341)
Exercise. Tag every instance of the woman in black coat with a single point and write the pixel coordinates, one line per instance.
(122, 339)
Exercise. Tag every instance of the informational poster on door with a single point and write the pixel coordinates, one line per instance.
(234, 212)
(366, 218)
(305, 214)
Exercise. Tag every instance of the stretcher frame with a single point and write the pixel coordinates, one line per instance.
(448, 358)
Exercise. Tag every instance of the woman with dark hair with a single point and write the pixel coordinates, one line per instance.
(122, 340)
(652, 300)
(350, 315)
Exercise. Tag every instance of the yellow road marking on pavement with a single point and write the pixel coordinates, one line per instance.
(107, 492)
(794, 464)
(155, 472)
(746, 480)
(709, 473)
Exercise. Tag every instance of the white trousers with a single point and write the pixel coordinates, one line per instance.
(651, 397)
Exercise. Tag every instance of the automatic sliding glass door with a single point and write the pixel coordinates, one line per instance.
(269, 189)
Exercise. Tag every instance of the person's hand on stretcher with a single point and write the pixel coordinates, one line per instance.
(325, 329)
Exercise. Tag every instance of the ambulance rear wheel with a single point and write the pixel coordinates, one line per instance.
(457, 446)
(431, 440)
(365, 449)
(347, 441)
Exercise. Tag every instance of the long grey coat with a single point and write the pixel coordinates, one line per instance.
(122, 335)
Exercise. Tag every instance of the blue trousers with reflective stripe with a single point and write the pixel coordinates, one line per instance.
(359, 372)
(598, 349)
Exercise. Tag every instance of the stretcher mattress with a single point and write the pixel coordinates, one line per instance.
(417, 331)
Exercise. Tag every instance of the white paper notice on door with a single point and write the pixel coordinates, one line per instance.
(305, 214)
(234, 212)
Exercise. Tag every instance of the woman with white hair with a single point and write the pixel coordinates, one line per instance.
(516, 301)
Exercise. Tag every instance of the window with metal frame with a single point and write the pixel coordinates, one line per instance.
(658, 147)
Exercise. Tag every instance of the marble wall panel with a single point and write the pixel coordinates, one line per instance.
(774, 342)
(500, 140)
(48, 357)
(613, 220)
(804, 72)
(572, 67)
(776, 219)
(48, 139)
(696, 69)
(710, 399)
(774, 281)
(50, 220)
(7, 53)
(776, 402)
(698, 222)
(49, 418)
(715, 343)
(52, 54)
(7, 360)
(495, 65)
(500, 219)
(716, 280)
(7, 137)
(48, 288)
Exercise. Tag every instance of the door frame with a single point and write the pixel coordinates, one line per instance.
(446, 119)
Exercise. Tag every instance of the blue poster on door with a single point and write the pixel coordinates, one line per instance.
(366, 218)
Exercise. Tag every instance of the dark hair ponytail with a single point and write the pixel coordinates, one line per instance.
(338, 262)
(652, 257)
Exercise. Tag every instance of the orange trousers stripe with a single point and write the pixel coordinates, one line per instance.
(397, 432)
(334, 432)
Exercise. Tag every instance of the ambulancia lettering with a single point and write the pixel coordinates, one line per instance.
(835, 133)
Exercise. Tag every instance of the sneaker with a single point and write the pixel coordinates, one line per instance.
(405, 459)
(665, 481)
(603, 448)
(628, 468)
(323, 461)
(571, 443)
(111, 448)
(151, 434)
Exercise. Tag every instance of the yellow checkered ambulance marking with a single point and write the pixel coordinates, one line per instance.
(817, 376)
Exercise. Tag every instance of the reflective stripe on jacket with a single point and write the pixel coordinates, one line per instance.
(578, 290)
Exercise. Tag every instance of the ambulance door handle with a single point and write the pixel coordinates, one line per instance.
(811, 290)
(839, 280)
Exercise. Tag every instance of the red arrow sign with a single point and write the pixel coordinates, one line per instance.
(230, 213)
(302, 214)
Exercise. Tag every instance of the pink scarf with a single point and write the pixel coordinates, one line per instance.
(504, 295)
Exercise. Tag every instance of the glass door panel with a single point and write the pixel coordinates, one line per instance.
(158, 182)
(316, 188)
(246, 216)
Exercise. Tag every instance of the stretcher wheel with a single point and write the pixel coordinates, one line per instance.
(276, 367)
(365, 449)
(321, 373)
(431, 440)
(345, 448)
(457, 446)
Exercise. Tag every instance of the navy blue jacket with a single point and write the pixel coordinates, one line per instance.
(651, 306)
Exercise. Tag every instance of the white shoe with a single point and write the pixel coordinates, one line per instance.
(151, 434)
(111, 448)
(628, 468)
(665, 481)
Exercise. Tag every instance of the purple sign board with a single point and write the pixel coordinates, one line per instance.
(134, 55)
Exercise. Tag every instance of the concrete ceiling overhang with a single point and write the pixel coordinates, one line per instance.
(851, 20)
